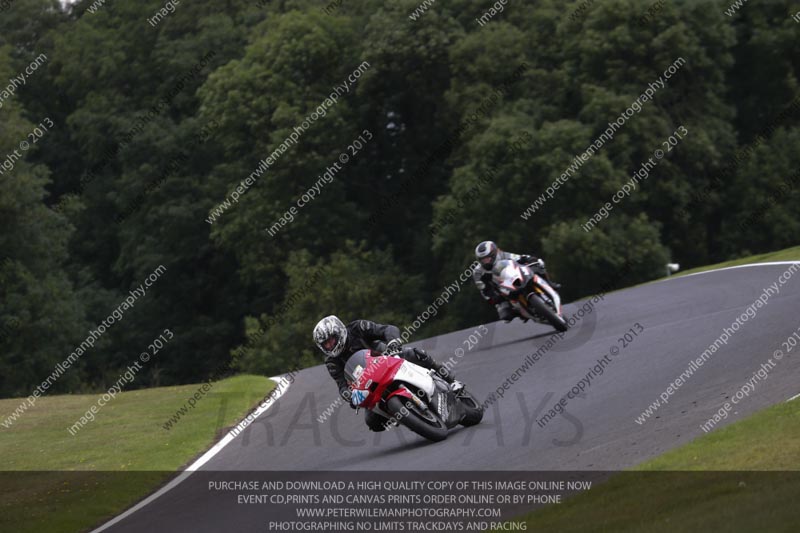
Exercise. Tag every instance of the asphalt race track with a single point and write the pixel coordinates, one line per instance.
(678, 319)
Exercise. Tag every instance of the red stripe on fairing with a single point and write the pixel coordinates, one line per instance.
(402, 391)
(380, 370)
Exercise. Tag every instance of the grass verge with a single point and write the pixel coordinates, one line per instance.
(55, 482)
(788, 254)
(743, 477)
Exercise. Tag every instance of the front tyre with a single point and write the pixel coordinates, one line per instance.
(544, 311)
(426, 424)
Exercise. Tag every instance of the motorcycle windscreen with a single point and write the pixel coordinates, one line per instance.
(355, 366)
(508, 276)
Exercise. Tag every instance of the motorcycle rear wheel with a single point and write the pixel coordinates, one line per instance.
(473, 410)
(428, 425)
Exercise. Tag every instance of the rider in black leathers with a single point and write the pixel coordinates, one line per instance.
(339, 341)
(487, 253)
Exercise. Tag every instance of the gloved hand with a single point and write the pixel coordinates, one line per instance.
(394, 347)
(346, 395)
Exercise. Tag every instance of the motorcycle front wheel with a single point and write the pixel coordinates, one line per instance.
(424, 423)
(544, 311)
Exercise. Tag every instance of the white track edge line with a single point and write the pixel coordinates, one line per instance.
(748, 265)
(282, 386)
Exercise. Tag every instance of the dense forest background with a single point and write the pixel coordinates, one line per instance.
(155, 126)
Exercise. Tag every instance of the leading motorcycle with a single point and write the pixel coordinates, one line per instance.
(529, 294)
(408, 394)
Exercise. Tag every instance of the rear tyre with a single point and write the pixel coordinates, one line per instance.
(544, 311)
(425, 424)
(473, 410)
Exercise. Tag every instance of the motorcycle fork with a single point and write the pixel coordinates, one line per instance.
(414, 398)
(546, 297)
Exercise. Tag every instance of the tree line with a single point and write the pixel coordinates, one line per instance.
(152, 127)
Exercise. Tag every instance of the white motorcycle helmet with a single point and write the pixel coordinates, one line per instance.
(330, 335)
(486, 254)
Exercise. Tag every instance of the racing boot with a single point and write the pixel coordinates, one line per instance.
(539, 268)
(421, 357)
(505, 312)
(447, 375)
(555, 285)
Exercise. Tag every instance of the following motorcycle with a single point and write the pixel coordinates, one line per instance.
(529, 294)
